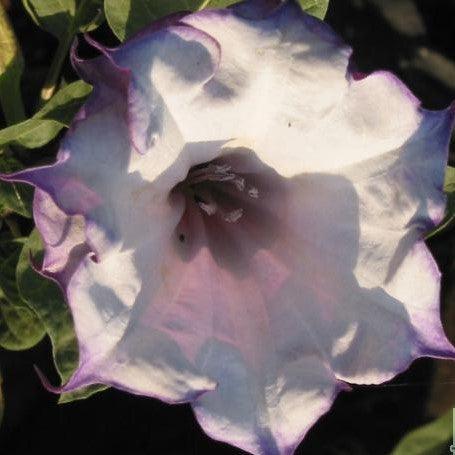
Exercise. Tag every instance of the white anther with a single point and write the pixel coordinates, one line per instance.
(233, 216)
(220, 169)
(239, 183)
(210, 208)
(253, 192)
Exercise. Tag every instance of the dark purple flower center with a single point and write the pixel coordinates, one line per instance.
(234, 206)
(217, 189)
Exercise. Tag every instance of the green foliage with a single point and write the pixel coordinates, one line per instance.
(46, 299)
(64, 19)
(126, 17)
(449, 189)
(431, 439)
(20, 328)
(14, 197)
(65, 103)
(31, 133)
(317, 8)
(46, 123)
(11, 68)
(125, 20)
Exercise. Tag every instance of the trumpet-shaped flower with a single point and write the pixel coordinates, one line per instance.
(237, 220)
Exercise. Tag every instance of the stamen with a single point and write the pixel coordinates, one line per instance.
(210, 208)
(233, 216)
(222, 169)
(239, 183)
(253, 192)
(211, 172)
(197, 185)
(205, 201)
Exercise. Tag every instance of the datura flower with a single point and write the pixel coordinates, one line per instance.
(236, 218)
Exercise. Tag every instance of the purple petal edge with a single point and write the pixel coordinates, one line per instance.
(340, 386)
(108, 77)
(78, 381)
(123, 86)
(442, 347)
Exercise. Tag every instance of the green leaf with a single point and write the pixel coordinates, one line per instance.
(81, 394)
(196, 5)
(65, 103)
(317, 8)
(14, 197)
(449, 189)
(64, 19)
(11, 68)
(32, 133)
(54, 16)
(20, 328)
(90, 15)
(431, 439)
(126, 17)
(9, 253)
(47, 123)
(46, 299)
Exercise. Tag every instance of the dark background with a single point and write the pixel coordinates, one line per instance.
(416, 40)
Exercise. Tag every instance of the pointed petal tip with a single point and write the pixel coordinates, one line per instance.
(38, 268)
(29, 176)
(12, 177)
(78, 380)
(199, 393)
(98, 46)
(45, 382)
(444, 351)
(342, 386)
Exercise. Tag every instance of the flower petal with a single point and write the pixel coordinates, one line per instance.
(179, 60)
(314, 284)
(400, 199)
(294, 288)
(289, 58)
(271, 387)
(323, 118)
(371, 287)
(63, 235)
(259, 412)
(117, 345)
(320, 104)
(86, 202)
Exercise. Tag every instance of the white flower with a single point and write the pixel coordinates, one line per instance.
(237, 222)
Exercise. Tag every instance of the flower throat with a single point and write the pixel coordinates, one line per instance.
(217, 190)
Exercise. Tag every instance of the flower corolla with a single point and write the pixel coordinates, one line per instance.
(236, 218)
